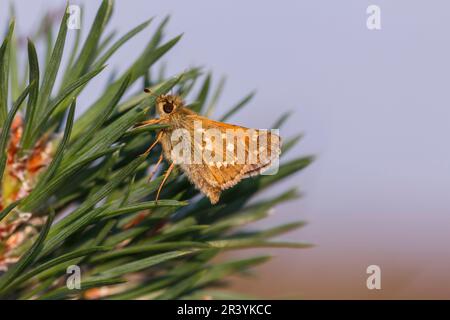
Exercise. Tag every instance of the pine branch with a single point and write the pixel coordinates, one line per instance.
(90, 175)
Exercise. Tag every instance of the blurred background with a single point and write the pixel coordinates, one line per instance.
(374, 107)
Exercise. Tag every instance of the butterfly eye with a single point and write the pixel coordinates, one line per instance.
(168, 107)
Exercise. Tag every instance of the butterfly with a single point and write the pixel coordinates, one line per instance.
(214, 155)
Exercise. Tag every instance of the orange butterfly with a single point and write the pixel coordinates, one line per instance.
(214, 155)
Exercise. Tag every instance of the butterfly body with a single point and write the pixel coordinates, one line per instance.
(216, 155)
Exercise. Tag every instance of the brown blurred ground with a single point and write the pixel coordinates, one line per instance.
(311, 274)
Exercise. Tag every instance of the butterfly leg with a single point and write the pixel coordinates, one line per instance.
(148, 123)
(166, 176)
(158, 137)
(155, 168)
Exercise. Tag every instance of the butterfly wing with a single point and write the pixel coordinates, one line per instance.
(226, 154)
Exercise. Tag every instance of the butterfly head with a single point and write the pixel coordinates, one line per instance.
(168, 104)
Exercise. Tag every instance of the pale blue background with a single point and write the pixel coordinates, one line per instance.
(375, 109)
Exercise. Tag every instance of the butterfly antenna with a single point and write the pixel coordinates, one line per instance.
(149, 91)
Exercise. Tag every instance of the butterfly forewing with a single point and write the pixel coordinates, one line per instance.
(223, 154)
